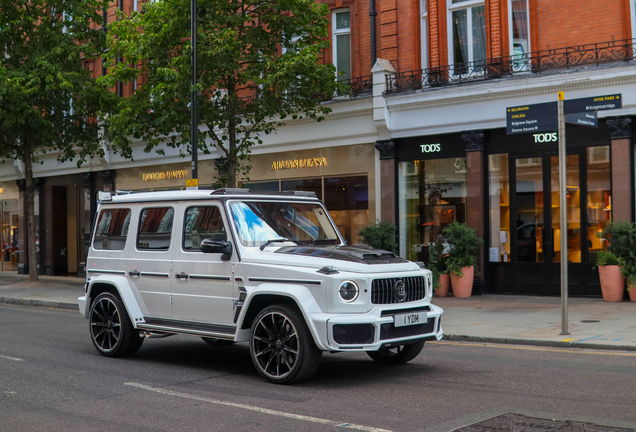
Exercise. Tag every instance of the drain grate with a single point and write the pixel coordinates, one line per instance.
(521, 423)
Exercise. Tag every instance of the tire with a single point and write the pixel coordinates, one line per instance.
(397, 355)
(111, 331)
(282, 347)
(217, 342)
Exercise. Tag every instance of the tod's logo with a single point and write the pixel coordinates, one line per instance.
(431, 148)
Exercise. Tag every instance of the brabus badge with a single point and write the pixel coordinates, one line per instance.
(399, 290)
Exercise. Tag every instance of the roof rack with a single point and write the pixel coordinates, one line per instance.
(230, 191)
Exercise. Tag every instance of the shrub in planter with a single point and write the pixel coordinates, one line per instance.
(438, 253)
(628, 270)
(379, 236)
(610, 268)
(462, 257)
(618, 261)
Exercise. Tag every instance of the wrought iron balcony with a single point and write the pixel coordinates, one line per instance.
(518, 64)
(358, 86)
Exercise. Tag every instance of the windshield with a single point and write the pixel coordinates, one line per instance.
(259, 222)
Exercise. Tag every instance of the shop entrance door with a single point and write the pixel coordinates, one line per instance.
(536, 240)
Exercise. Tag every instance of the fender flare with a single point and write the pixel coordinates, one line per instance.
(300, 295)
(125, 291)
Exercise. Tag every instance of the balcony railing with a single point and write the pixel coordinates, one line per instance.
(358, 86)
(518, 64)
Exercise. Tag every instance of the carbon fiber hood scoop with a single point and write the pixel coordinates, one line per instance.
(357, 254)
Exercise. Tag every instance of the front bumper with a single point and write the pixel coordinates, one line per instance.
(369, 331)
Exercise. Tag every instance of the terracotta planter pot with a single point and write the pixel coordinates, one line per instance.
(444, 280)
(632, 293)
(463, 285)
(612, 282)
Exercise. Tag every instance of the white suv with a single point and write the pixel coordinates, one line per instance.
(270, 269)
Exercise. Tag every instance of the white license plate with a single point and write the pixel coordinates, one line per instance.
(410, 319)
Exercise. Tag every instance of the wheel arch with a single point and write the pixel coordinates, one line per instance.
(118, 286)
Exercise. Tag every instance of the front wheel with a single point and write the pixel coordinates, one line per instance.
(112, 332)
(398, 354)
(282, 347)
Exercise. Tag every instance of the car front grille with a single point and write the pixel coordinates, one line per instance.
(353, 334)
(382, 290)
(389, 331)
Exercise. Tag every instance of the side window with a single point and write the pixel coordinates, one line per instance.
(155, 228)
(202, 223)
(112, 229)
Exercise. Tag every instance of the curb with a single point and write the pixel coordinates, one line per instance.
(536, 342)
(39, 303)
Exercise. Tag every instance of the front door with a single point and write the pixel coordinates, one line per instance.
(536, 212)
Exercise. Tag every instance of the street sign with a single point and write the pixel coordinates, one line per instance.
(192, 184)
(589, 119)
(531, 118)
(596, 103)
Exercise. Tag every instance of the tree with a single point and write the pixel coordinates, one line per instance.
(48, 100)
(258, 64)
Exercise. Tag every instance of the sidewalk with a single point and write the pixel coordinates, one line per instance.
(523, 320)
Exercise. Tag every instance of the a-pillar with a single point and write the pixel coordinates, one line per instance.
(387, 180)
(475, 196)
(620, 135)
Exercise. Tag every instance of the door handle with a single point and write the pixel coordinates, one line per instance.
(134, 273)
(181, 276)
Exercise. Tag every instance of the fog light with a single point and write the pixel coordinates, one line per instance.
(348, 291)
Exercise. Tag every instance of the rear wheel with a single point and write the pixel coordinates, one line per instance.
(111, 331)
(217, 342)
(397, 354)
(282, 347)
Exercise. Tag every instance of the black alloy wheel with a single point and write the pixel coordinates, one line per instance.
(282, 347)
(112, 332)
(397, 354)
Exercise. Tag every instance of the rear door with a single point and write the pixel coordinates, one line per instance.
(203, 289)
(150, 261)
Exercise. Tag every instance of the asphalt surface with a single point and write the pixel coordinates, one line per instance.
(52, 379)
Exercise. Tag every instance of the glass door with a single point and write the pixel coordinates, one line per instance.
(536, 236)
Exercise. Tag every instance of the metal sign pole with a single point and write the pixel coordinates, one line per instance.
(563, 210)
(193, 101)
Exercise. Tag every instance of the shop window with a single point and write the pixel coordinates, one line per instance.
(599, 197)
(341, 43)
(112, 229)
(309, 185)
(499, 207)
(202, 223)
(519, 27)
(155, 228)
(467, 38)
(10, 234)
(347, 199)
(271, 186)
(432, 196)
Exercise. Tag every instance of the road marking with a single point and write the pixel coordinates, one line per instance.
(258, 409)
(10, 358)
(517, 347)
(567, 340)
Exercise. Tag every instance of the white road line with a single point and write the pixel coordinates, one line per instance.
(258, 409)
(10, 358)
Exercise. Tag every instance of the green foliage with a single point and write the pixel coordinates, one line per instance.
(621, 238)
(438, 262)
(604, 258)
(247, 87)
(464, 246)
(379, 236)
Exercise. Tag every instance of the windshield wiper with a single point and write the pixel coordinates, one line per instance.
(332, 241)
(280, 240)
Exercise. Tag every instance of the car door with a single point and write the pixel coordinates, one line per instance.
(150, 261)
(203, 288)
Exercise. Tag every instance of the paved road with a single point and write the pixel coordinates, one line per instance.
(52, 379)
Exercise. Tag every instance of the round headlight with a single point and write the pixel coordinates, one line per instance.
(348, 291)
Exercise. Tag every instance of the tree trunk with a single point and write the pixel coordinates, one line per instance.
(29, 196)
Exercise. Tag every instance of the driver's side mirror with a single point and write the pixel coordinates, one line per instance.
(217, 246)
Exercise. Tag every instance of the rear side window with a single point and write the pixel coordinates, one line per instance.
(112, 229)
(202, 223)
(155, 228)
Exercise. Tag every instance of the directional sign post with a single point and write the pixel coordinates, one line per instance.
(531, 118)
(563, 219)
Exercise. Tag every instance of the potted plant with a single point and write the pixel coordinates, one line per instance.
(615, 263)
(438, 254)
(462, 257)
(629, 271)
(379, 236)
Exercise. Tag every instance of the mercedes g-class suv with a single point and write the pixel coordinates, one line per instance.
(269, 269)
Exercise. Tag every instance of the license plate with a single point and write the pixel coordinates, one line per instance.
(410, 319)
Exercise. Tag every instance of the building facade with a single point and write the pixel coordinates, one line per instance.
(422, 140)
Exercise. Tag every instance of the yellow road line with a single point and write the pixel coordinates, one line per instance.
(528, 348)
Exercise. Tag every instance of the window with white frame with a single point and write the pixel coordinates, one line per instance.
(467, 34)
(519, 29)
(341, 43)
(424, 33)
(632, 10)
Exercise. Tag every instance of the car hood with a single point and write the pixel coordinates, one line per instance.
(344, 258)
